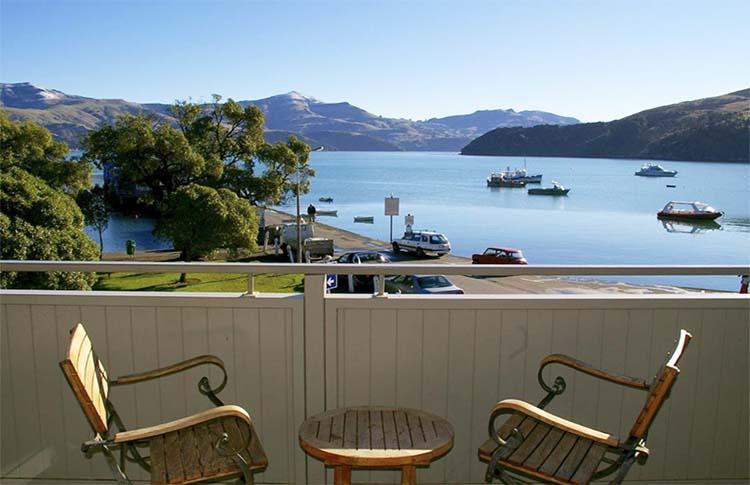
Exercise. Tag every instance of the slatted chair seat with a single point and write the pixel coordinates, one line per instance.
(215, 444)
(552, 454)
(189, 455)
(532, 443)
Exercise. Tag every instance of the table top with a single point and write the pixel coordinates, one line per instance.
(376, 436)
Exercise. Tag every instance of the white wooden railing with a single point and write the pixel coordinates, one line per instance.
(294, 355)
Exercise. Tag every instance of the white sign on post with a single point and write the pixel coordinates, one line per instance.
(409, 220)
(391, 206)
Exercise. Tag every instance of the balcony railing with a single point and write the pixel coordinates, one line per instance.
(294, 355)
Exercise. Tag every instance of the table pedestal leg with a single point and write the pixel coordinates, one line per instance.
(409, 475)
(342, 475)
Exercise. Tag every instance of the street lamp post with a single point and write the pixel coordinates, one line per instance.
(299, 221)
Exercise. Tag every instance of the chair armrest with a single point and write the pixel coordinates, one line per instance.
(183, 423)
(509, 406)
(590, 370)
(203, 385)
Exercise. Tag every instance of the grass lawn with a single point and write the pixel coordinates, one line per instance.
(198, 282)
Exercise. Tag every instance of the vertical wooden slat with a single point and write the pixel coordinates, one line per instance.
(574, 459)
(732, 393)
(24, 392)
(564, 341)
(409, 358)
(382, 386)
(415, 429)
(120, 361)
(220, 343)
(683, 394)
(614, 339)
(435, 342)
(49, 386)
(585, 394)
(356, 354)
(460, 378)
(709, 376)
(558, 454)
(484, 391)
(274, 368)
(195, 342)
(545, 448)
(9, 443)
(170, 350)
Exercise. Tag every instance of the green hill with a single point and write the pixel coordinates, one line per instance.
(709, 129)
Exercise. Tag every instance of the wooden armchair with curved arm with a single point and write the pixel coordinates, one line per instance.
(534, 444)
(216, 444)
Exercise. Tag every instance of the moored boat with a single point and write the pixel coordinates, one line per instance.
(327, 213)
(326, 199)
(521, 175)
(695, 211)
(556, 189)
(365, 219)
(499, 180)
(655, 170)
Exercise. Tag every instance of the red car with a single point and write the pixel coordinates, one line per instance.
(499, 256)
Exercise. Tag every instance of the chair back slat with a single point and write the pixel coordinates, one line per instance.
(87, 378)
(660, 388)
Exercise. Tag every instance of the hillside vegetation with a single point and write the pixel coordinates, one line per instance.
(709, 129)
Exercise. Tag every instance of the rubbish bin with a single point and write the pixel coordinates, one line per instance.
(130, 247)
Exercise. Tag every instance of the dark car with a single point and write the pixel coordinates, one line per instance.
(425, 284)
(358, 283)
(499, 256)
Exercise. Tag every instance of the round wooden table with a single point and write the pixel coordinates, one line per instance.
(375, 437)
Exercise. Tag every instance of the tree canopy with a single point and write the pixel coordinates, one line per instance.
(39, 222)
(199, 219)
(29, 146)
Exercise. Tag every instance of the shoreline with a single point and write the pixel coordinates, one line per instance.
(345, 241)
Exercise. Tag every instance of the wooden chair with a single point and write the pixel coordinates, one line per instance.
(216, 444)
(540, 446)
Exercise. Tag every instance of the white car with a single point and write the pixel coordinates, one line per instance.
(422, 242)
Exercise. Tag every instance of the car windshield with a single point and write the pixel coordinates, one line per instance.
(433, 281)
(515, 254)
(343, 258)
(371, 258)
(438, 239)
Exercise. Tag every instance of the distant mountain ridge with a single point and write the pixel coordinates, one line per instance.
(335, 126)
(708, 129)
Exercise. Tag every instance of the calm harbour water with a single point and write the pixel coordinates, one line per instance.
(609, 216)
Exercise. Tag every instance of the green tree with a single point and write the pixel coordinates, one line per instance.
(233, 134)
(40, 223)
(150, 154)
(95, 209)
(29, 146)
(199, 220)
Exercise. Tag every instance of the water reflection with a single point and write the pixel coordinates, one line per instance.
(690, 227)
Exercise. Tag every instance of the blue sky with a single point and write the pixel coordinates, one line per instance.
(596, 60)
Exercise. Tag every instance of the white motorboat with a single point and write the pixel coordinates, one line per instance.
(694, 211)
(655, 170)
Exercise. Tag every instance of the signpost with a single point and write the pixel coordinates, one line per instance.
(391, 209)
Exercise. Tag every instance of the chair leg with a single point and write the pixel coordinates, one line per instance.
(117, 472)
